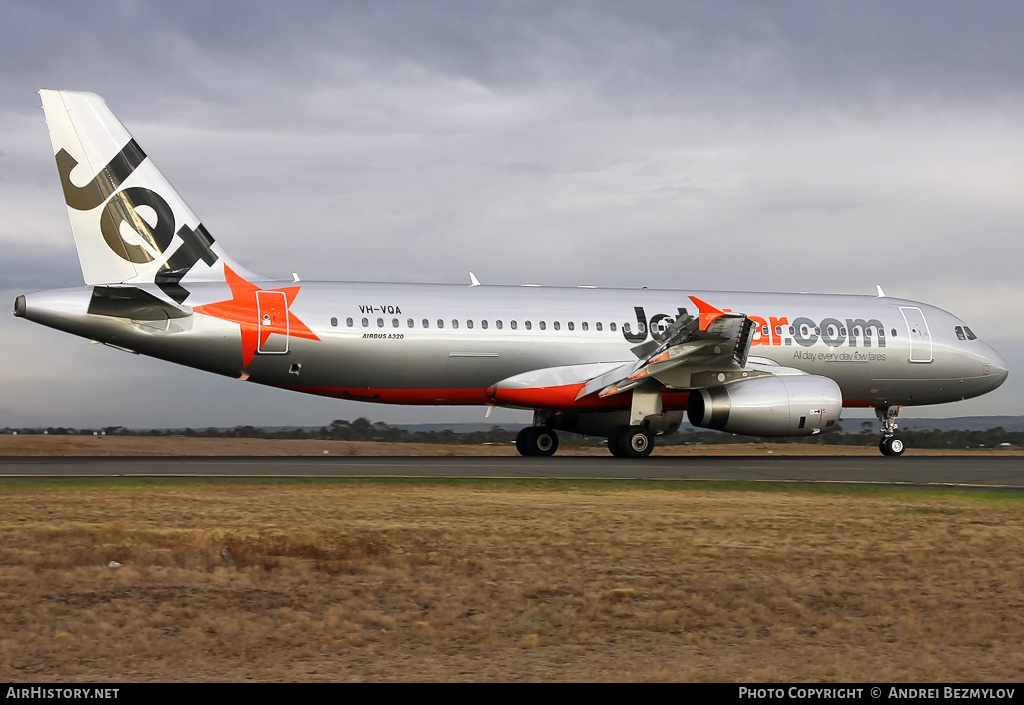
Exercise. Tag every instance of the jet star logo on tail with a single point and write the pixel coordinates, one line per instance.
(243, 308)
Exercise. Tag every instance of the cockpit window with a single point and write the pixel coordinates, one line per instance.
(960, 333)
(970, 333)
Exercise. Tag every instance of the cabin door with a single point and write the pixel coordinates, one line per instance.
(920, 336)
(272, 312)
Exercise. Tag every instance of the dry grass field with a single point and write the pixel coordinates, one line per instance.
(499, 581)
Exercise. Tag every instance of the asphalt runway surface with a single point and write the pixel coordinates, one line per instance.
(990, 472)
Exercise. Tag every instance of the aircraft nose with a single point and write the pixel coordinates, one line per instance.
(997, 370)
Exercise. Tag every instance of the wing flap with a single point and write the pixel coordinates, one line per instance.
(713, 339)
(718, 340)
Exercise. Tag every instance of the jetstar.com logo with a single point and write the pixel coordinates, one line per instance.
(257, 322)
(770, 330)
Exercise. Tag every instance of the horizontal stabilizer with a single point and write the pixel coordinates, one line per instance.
(131, 302)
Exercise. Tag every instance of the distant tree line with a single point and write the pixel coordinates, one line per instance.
(363, 429)
(339, 430)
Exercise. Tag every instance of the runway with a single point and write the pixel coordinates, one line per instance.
(989, 472)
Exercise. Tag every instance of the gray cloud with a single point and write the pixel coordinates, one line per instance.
(26, 268)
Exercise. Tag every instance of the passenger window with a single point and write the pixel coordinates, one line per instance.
(334, 321)
(778, 330)
(348, 322)
(893, 332)
(641, 328)
(792, 330)
(960, 333)
(513, 324)
(611, 327)
(440, 323)
(586, 326)
(764, 330)
(625, 328)
(529, 325)
(410, 323)
(598, 326)
(455, 323)
(426, 323)
(842, 331)
(380, 322)
(394, 323)
(543, 325)
(365, 323)
(483, 324)
(469, 323)
(497, 324)
(557, 325)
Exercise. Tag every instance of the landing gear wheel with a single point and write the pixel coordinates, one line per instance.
(637, 442)
(631, 442)
(892, 446)
(537, 440)
(615, 442)
(521, 441)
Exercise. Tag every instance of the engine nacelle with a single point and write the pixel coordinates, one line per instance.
(787, 405)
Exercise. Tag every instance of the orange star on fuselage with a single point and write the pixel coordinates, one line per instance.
(243, 308)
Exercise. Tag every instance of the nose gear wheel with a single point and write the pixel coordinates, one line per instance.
(891, 445)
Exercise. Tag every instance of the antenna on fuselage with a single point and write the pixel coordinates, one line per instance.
(473, 281)
(881, 294)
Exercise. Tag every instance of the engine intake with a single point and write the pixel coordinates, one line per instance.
(787, 405)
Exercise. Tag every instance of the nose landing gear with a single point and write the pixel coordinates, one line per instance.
(891, 444)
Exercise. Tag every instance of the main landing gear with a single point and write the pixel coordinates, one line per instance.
(624, 441)
(537, 440)
(631, 442)
(891, 444)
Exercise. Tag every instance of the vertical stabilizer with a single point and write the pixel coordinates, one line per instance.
(130, 225)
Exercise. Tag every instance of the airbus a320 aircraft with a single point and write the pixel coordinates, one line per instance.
(620, 363)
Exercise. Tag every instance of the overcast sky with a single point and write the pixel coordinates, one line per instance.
(758, 146)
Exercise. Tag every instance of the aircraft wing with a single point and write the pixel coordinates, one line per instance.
(690, 348)
(714, 339)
